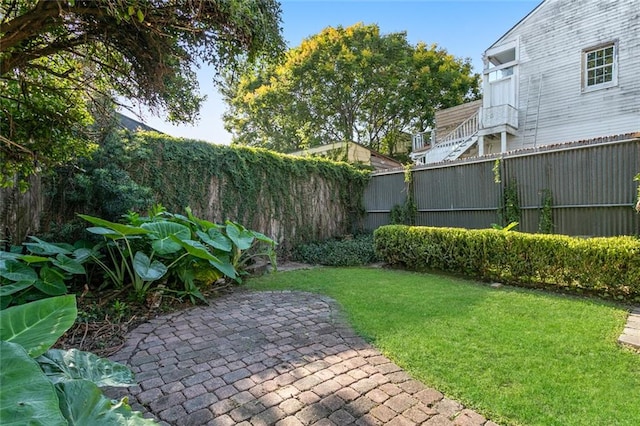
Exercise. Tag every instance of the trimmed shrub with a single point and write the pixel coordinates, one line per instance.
(354, 251)
(607, 266)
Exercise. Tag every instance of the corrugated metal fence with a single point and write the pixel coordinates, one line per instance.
(591, 185)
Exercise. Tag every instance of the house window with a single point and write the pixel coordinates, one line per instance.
(600, 67)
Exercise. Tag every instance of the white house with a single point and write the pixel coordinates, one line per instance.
(568, 71)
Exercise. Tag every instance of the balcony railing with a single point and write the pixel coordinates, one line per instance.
(499, 115)
(421, 140)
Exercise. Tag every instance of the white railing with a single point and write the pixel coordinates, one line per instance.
(421, 140)
(500, 115)
(465, 130)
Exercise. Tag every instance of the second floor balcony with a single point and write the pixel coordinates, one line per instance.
(499, 116)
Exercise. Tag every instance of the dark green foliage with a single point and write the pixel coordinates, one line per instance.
(545, 225)
(60, 59)
(607, 266)
(404, 214)
(511, 203)
(37, 270)
(97, 185)
(354, 251)
(184, 253)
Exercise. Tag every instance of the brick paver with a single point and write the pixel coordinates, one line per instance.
(273, 358)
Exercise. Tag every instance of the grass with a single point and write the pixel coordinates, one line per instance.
(518, 356)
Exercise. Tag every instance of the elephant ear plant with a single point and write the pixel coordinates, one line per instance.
(39, 273)
(181, 252)
(43, 386)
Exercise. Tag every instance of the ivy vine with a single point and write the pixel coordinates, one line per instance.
(296, 199)
(511, 203)
(545, 224)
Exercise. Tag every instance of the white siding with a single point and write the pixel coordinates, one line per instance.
(551, 41)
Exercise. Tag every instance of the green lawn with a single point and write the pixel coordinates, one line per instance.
(517, 356)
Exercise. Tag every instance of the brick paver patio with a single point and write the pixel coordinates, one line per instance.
(273, 358)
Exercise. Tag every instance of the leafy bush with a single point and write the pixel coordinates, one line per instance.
(608, 266)
(354, 251)
(175, 248)
(41, 272)
(50, 386)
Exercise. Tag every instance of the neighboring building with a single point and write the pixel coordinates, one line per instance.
(568, 71)
(133, 124)
(351, 152)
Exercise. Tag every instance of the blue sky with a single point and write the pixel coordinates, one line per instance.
(465, 28)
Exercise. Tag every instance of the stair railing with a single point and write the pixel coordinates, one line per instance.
(466, 129)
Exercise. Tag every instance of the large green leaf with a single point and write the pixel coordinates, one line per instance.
(17, 271)
(83, 404)
(73, 364)
(37, 325)
(43, 247)
(263, 238)
(67, 264)
(224, 265)
(240, 236)
(4, 255)
(105, 232)
(195, 248)
(29, 258)
(161, 232)
(146, 269)
(203, 224)
(9, 289)
(51, 282)
(26, 395)
(216, 239)
(81, 254)
(121, 229)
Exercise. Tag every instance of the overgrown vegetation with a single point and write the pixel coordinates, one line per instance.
(519, 357)
(292, 199)
(349, 251)
(64, 62)
(510, 211)
(163, 251)
(41, 272)
(609, 267)
(405, 214)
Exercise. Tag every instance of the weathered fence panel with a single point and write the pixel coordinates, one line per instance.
(20, 212)
(592, 189)
(383, 192)
(445, 197)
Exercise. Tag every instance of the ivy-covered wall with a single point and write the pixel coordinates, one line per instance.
(290, 199)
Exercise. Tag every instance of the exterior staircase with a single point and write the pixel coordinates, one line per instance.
(453, 145)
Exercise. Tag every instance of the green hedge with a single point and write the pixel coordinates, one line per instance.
(607, 266)
(347, 252)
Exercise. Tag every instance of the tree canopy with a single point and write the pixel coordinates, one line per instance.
(346, 84)
(59, 59)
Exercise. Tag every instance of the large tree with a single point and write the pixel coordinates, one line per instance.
(346, 84)
(60, 59)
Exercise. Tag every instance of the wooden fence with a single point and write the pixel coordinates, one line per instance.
(591, 185)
